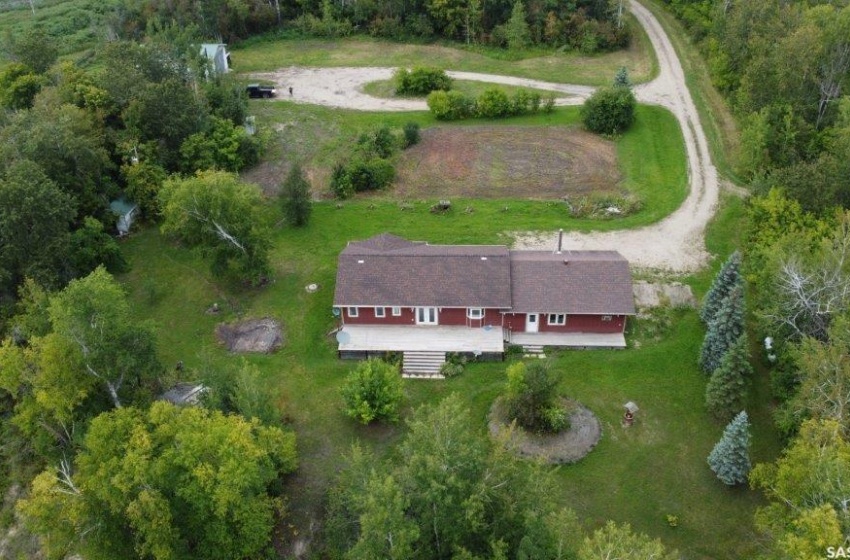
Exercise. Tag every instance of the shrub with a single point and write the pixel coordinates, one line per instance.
(493, 104)
(549, 105)
(556, 419)
(450, 106)
(411, 134)
(609, 110)
(530, 393)
(373, 391)
(422, 80)
(379, 142)
(341, 182)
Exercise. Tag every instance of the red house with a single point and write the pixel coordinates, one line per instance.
(426, 300)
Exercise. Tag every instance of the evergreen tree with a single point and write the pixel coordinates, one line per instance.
(295, 196)
(723, 330)
(621, 78)
(730, 458)
(727, 388)
(728, 277)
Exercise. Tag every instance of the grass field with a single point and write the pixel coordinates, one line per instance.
(560, 67)
(508, 161)
(74, 25)
(636, 476)
(650, 157)
(386, 89)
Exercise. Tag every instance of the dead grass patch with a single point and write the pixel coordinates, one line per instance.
(507, 162)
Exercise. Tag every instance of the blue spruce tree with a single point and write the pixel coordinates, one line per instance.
(723, 330)
(730, 458)
(728, 278)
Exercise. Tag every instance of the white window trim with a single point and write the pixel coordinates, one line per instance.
(396, 311)
(353, 312)
(480, 311)
(607, 318)
(382, 314)
(556, 322)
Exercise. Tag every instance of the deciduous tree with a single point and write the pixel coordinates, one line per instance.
(214, 209)
(373, 391)
(807, 489)
(618, 541)
(163, 484)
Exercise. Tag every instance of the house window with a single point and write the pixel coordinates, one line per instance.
(396, 311)
(557, 319)
(475, 313)
(380, 312)
(353, 312)
(606, 317)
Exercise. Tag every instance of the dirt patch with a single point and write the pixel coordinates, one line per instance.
(507, 162)
(650, 294)
(567, 447)
(253, 335)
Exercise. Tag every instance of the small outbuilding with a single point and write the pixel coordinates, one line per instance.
(218, 56)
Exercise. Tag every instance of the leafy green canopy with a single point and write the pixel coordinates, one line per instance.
(450, 495)
(373, 391)
(214, 209)
(807, 489)
(164, 484)
(609, 110)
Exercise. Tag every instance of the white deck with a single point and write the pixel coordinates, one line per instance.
(571, 340)
(401, 338)
(388, 338)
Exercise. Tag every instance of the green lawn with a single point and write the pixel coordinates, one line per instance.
(74, 25)
(264, 55)
(386, 88)
(639, 475)
(651, 156)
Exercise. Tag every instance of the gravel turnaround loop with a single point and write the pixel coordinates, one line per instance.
(676, 244)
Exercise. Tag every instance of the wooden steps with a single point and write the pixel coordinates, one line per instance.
(423, 364)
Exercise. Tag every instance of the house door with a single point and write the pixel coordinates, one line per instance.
(426, 315)
(532, 322)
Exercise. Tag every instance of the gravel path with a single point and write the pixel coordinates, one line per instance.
(676, 244)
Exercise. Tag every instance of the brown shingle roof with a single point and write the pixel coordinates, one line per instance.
(578, 282)
(387, 270)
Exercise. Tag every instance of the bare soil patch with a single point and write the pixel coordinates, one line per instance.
(507, 162)
(653, 294)
(569, 446)
(253, 335)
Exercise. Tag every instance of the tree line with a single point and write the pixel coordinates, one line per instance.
(785, 69)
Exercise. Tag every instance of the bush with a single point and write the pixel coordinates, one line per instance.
(493, 103)
(530, 394)
(379, 142)
(361, 175)
(609, 111)
(556, 419)
(341, 182)
(373, 391)
(450, 106)
(411, 134)
(422, 80)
